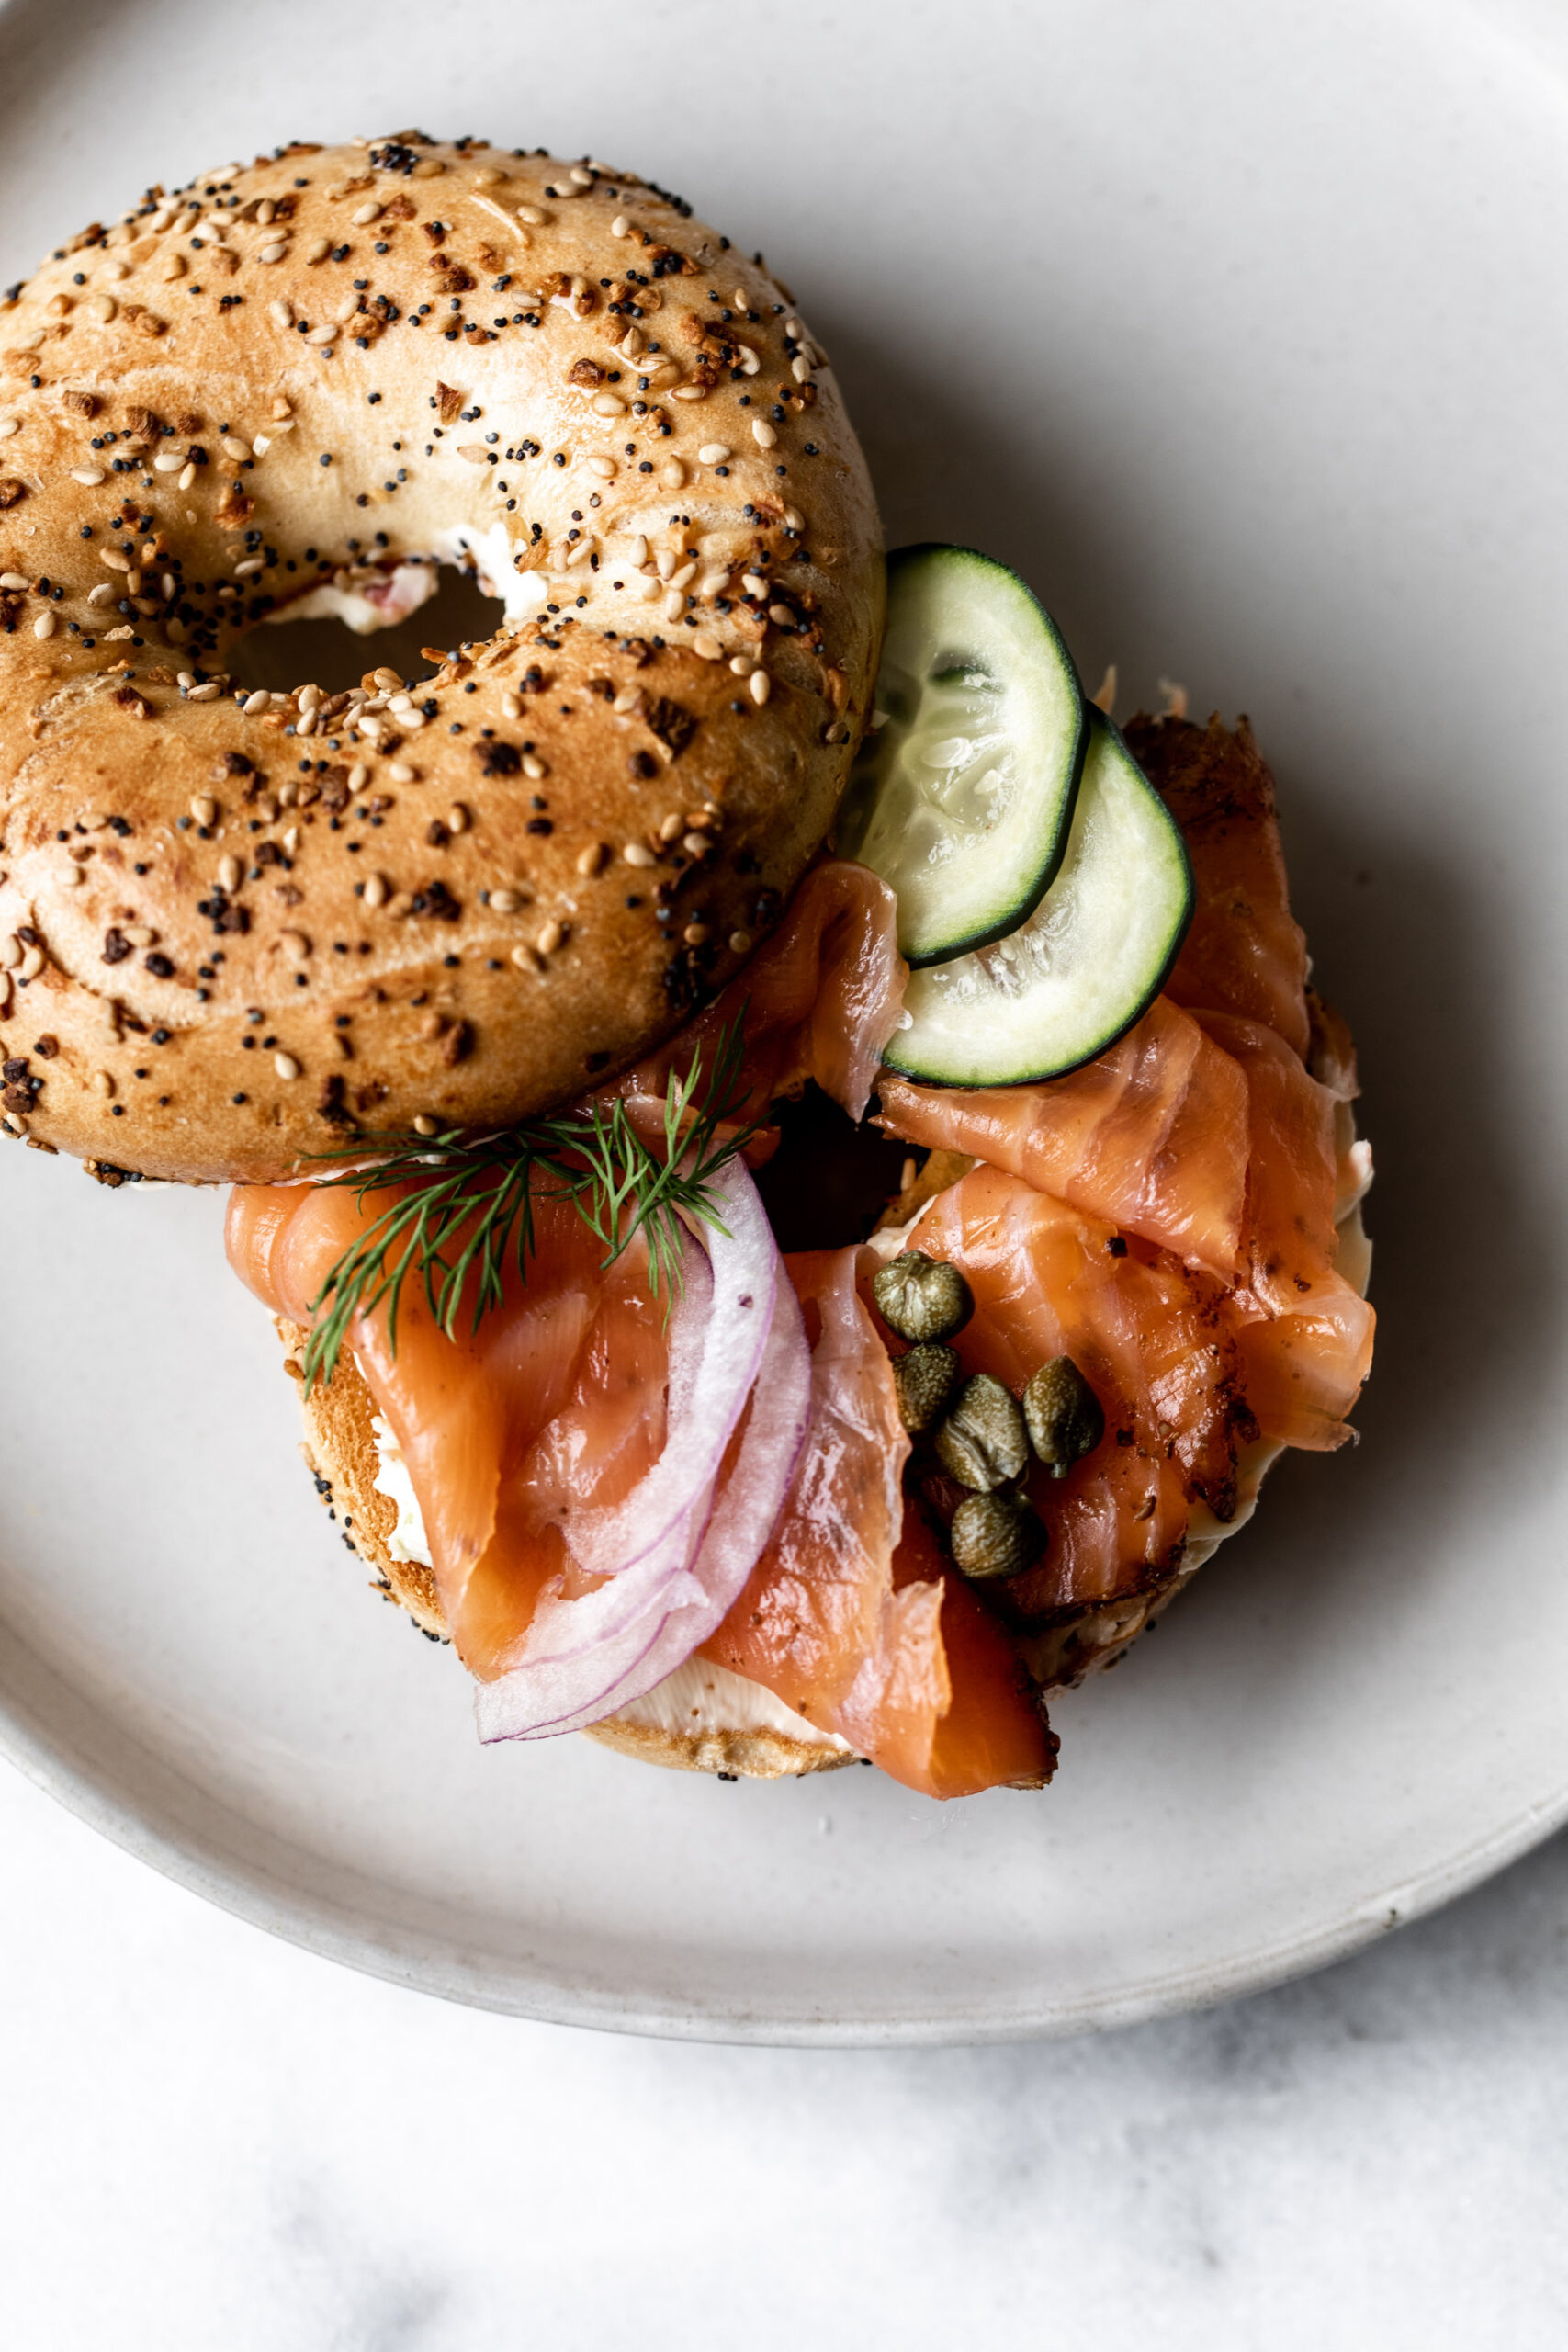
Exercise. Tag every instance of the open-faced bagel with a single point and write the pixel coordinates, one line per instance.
(235, 930)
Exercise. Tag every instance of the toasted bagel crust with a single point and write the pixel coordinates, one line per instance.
(468, 908)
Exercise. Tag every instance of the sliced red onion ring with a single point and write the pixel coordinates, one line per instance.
(682, 1564)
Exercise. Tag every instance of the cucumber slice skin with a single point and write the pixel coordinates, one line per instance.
(1017, 873)
(973, 1049)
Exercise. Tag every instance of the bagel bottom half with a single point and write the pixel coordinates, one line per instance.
(703, 1718)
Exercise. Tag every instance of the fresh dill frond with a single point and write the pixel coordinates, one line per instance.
(465, 1206)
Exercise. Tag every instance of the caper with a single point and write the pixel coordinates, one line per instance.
(995, 1535)
(1064, 1414)
(983, 1442)
(922, 1297)
(925, 1379)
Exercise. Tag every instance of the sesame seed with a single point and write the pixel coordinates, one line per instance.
(14, 580)
(741, 665)
(229, 872)
(44, 625)
(364, 214)
(638, 853)
(706, 646)
(604, 467)
(714, 453)
(607, 404)
(740, 943)
(168, 461)
(674, 605)
(9, 424)
(534, 768)
(205, 811)
(800, 368)
(103, 1082)
(186, 476)
(696, 844)
(760, 687)
(232, 446)
(695, 933)
(401, 772)
(590, 860)
(102, 595)
(294, 943)
(88, 476)
(376, 892)
(286, 1066)
(669, 828)
(672, 474)
(551, 938)
(505, 903)
(31, 964)
(272, 252)
(531, 216)
(456, 818)
(763, 432)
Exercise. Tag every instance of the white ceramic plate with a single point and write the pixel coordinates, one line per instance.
(1241, 332)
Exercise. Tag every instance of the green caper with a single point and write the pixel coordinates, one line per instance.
(1064, 1414)
(983, 1442)
(922, 1297)
(925, 1379)
(995, 1535)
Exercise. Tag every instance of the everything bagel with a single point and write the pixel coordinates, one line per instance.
(236, 929)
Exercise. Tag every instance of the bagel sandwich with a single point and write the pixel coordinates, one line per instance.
(561, 1016)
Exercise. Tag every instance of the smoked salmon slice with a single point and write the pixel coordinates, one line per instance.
(1243, 952)
(853, 1628)
(557, 1401)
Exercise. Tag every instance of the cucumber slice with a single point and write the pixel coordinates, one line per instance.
(962, 799)
(1089, 960)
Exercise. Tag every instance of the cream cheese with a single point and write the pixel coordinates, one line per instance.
(397, 594)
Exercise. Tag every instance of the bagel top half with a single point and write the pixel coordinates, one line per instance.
(237, 931)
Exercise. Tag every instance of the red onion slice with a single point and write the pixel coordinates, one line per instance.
(682, 1566)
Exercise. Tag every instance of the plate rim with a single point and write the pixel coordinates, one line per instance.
(416, 1960)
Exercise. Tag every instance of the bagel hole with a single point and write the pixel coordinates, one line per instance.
(282, 655)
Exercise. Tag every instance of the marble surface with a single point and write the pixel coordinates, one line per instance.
(213, 2140)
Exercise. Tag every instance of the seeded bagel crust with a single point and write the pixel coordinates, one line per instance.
(225, 945)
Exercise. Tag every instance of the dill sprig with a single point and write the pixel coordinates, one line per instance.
(465, 1205)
